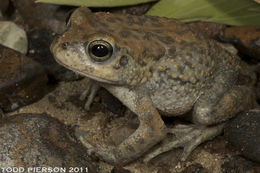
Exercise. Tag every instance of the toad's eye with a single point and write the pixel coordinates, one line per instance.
(99, 50)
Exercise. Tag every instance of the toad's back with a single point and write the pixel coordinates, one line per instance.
(186, 70)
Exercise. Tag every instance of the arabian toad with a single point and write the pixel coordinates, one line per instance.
(155, 66)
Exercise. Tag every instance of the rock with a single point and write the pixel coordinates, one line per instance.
(139, 9)
(210, 29)
(13, 36)
(119, 170)
(4, 5)
(111, 102)
(37, 140)
(258, 91)
(164, 169)
(243, 133)
(195, 168)
(40, 15)
(120, 130)
(258, 83)
(239, 165)
(39, 43)
(245, 38)
(22, 80)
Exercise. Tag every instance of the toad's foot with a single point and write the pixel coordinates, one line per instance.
(188, 137)
(89, 93)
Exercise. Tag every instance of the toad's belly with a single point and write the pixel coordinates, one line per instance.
(174, 101)
(174, 96)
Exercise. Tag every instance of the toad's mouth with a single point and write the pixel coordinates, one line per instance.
(96, 78)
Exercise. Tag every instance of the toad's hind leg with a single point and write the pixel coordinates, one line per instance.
(206, 114)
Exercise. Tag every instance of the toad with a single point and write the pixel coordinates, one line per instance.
(155, 66)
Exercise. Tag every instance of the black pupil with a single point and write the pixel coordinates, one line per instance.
(99, 50)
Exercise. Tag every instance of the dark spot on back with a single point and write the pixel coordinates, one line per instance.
(157, 57)
(147, 36)
(123, 60)
(119, 19)
(140, 60)
(125, 34)
(188, 63)
(86, 13)
(142, 20)
(151, 69)
(182, 32)
(110, 30)
(202, 51)
(172, 51)
(155, 22)
(158, 31)
(130, 20)
(157, 25)
(137, 20)
(92, 23)
(85, 36)
(111, 20)
(136, 37)
(181, 69)
(103, 24)
(142, 63)
(116, 66)
(181, 82)
(81, 28)
(153, 19)
(101, 31)
(200, 60)
(166, 40)
(144, 53)
(117, 48)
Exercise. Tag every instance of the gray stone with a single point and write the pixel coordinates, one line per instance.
(243, 132)
(13, 36)
(22, 80)
(38, 140)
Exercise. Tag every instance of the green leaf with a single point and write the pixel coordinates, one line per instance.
(96, 3)
(231, 12)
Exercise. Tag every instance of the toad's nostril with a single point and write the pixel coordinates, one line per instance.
(64, 45)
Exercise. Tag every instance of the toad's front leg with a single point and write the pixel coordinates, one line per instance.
(151, 129)
(89, 93)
